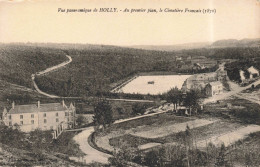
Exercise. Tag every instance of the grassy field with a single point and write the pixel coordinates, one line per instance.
(127, 128)
(247, 153)
(235, 108)
(166, 129)
(160, 131)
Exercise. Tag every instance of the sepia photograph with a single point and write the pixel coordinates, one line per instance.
(133, 83)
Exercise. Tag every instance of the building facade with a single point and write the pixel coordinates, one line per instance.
(214, 88)
(50, 116)
(253, 72)
(199, 81)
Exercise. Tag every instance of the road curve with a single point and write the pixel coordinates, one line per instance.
(93, 155)
(47, 71)
(233, 92)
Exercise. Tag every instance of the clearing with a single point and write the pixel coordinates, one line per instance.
(154, 84)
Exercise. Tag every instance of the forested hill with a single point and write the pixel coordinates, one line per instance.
(19, 61)
(227, 43)
(95, 67)
(94, 70)
(236, 43)
(172, 47)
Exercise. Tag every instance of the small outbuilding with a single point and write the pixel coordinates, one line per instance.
(214, 88)
(253, 72)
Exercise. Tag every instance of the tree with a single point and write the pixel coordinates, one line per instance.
(191, 100)
(40, 140)
(246, 74)
(174, 96)
(233, 73)
(152, 158)
(103, 114)
(81, 120)
(221, 159)
(139, 108)
(188, 143)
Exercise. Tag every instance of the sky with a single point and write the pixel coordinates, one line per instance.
(40, 21)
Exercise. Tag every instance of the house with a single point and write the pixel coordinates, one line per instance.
(253, 72)
(50, 116)
(199, 81)
(213, 88)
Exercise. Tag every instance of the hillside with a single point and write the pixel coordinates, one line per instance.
(92, 71)
(96, 68)
(19, 61)
(172, 47)
(217, 44)
(236, 43)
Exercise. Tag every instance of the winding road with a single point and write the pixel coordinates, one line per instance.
(235, 89)
(47, 71)
(93, 155)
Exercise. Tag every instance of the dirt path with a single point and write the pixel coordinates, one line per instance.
(234, 90)
(230, 137)
(157, 132)
(249, 98)
(92, 155)
(47, 71)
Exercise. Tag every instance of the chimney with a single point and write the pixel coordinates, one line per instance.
(13, 105)
(39, 104)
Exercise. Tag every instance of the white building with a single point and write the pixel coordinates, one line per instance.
(214, 88)
(242, 75)
(253, 72)
(50, 116)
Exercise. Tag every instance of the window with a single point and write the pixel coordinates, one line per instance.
(10, 123)
(57, 114)
(44, 115)
(66, 114)
(45, 121)
(68, 119)
(10, 116)
(57, 119)
(32, 115)
(21, 122)
(21, 116)
(32, 121)
(71, 113)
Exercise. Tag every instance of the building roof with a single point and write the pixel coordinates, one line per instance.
(32, 108)
(216, 83)
(253, 70)
(52, 107)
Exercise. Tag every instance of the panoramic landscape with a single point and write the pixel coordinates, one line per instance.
(86, 105)
(149, 84)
